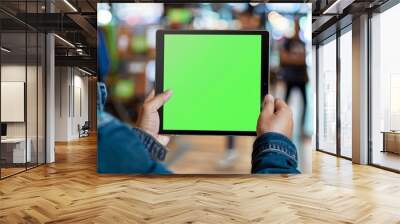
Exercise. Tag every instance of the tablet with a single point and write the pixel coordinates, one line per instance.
(218, 79)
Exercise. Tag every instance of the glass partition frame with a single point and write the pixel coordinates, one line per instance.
(34, 68)
(337, 149)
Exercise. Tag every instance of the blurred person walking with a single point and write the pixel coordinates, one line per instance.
(294, 68)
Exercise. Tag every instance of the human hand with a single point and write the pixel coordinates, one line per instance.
(149, 120)
(276, 116)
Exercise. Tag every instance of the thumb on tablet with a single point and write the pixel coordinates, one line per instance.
(276, 116)
(156, 102)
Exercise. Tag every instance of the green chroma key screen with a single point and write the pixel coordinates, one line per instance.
(216, 80)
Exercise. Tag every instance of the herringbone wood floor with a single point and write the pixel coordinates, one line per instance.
(70, 191)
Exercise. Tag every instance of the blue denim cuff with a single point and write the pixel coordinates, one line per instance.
(274, 142)
(156, 150)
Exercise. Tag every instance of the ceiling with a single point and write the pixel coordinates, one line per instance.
(72, 20)
(328, 15)
(76, 22)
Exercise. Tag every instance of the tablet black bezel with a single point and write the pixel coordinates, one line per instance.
(159, 85)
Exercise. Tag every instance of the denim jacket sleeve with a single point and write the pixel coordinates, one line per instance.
(274, 153)
(121, 150)
(156, 150)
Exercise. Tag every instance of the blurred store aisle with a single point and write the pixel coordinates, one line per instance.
(130, 43)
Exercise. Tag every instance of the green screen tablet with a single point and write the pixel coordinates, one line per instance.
(218, 80)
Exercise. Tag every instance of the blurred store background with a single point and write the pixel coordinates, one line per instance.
(126, 62)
